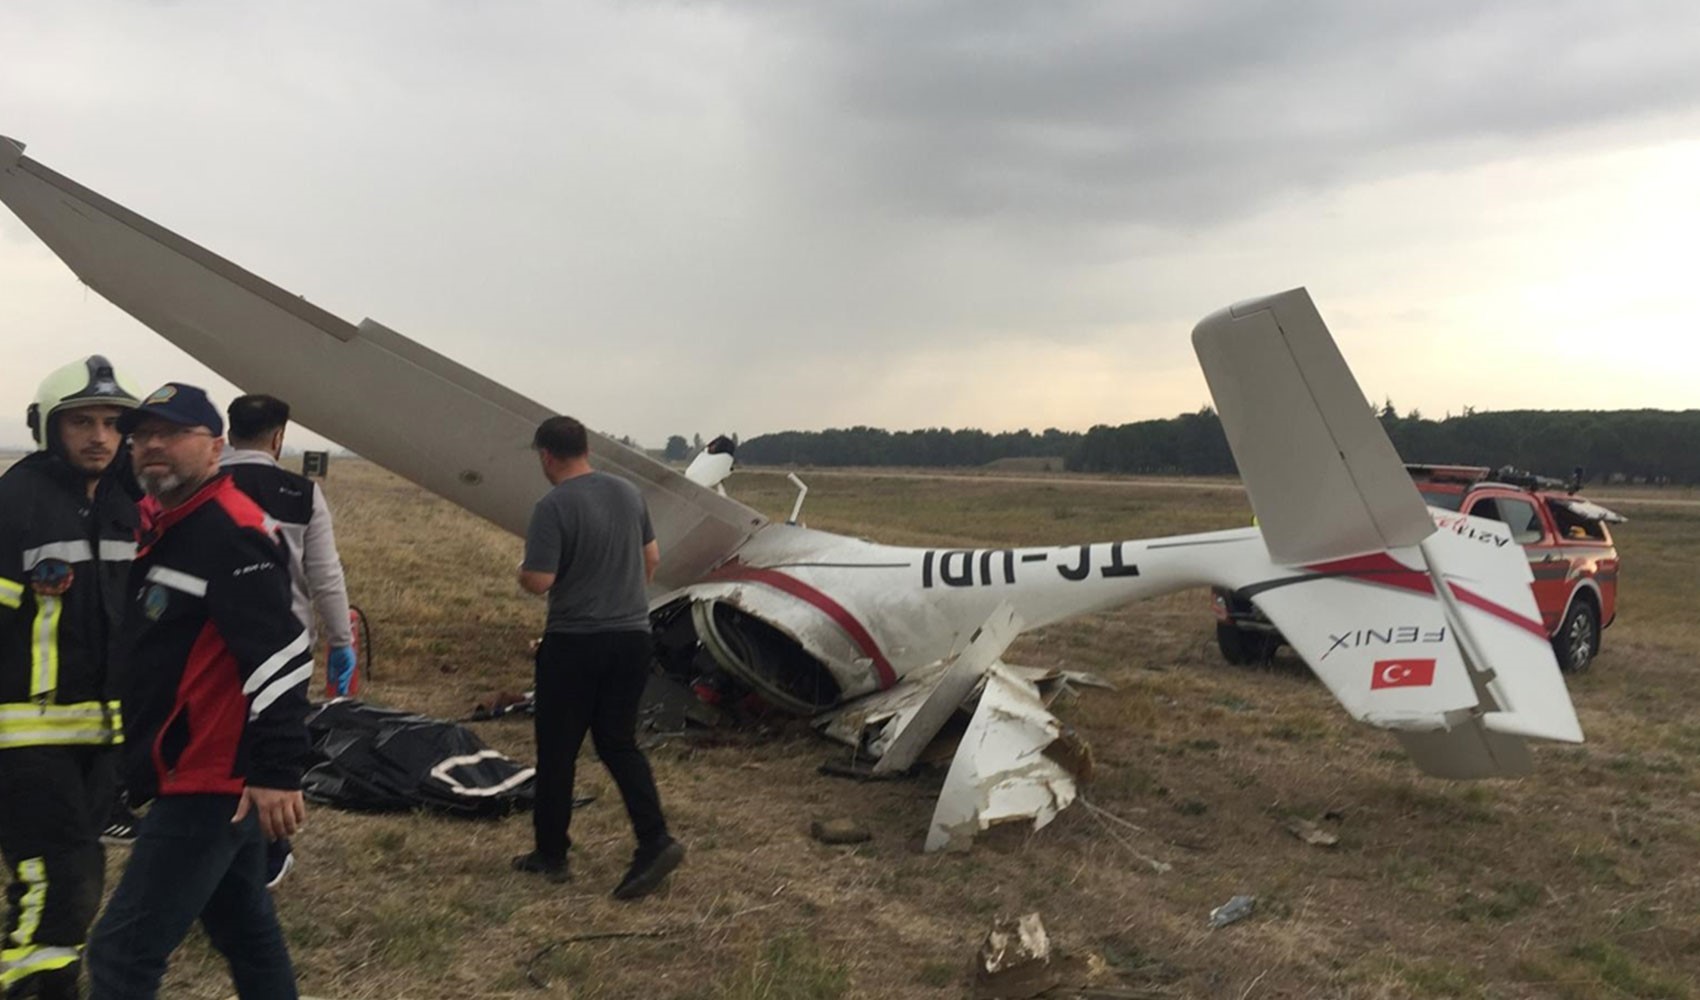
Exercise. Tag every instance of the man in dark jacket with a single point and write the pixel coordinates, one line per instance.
(215, 700)
(67, 535)
(298, 506)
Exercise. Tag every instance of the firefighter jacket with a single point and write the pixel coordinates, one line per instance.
(58, 686)
(216, 664)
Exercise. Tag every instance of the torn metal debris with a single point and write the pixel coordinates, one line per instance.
(1014, 962)
(1015, 761)
(895, 726)
(1002, 771)
(1233, 911)
(1310, 833)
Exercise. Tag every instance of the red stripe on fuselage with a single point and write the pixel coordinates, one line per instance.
(843, 618)
(1381, 568)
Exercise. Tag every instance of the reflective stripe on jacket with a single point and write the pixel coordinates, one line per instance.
(56, 650)
(22, 956)
(29, 724)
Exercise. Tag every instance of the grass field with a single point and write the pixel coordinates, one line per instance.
(1581, 881)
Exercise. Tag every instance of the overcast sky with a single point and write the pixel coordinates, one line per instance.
(696, 217)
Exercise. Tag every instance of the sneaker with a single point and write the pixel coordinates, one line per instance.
(536, 864)
(120, 827)
(648, 868)
(280, 861)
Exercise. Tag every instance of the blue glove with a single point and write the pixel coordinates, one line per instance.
(340, 666)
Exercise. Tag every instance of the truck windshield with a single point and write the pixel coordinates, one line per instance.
(1444, 499)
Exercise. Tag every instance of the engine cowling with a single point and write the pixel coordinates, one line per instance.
(699, 634)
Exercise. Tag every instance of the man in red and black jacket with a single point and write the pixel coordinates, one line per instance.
(214, 699)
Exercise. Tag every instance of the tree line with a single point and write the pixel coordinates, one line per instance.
(932, 447)
(1611, 445)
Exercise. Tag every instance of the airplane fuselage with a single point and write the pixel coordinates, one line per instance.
(872, 613)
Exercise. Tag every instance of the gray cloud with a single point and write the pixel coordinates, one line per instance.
(1181, 114)
(762, 206)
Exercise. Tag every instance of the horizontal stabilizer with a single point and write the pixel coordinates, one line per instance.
(1321, 474)
(1441, 643)
(1372, 631)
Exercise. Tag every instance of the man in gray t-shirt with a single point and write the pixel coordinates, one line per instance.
(591, 548)
(592, 532)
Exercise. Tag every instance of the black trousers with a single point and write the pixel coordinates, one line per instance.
(592, 683)
(54, 802)
(190, 862)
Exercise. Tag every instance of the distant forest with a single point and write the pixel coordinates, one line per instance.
(1611, 445)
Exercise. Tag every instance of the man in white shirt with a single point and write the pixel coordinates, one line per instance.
(298, 506)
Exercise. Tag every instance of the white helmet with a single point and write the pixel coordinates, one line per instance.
(89, 382)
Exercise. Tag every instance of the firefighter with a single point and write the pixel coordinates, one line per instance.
(67, 538)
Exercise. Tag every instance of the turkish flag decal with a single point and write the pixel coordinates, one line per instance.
(1402, 674)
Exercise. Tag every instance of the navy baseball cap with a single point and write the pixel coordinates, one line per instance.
(176, 403)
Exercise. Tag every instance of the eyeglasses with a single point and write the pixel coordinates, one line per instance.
(165, 435)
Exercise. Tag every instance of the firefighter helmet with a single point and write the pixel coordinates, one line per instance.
(88, 382)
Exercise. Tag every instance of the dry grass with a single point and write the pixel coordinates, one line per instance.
(1578, 882)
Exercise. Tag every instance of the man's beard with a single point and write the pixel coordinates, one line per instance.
(162, 485)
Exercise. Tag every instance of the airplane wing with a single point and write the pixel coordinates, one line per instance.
(407, 408)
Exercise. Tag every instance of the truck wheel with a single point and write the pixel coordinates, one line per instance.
(1578, 638)
(1234, 644)
(1242, 647)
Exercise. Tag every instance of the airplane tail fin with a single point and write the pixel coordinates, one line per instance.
(1322, 475)
(1425, 628)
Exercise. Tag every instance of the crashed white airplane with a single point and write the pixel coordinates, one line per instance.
(887, 642)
